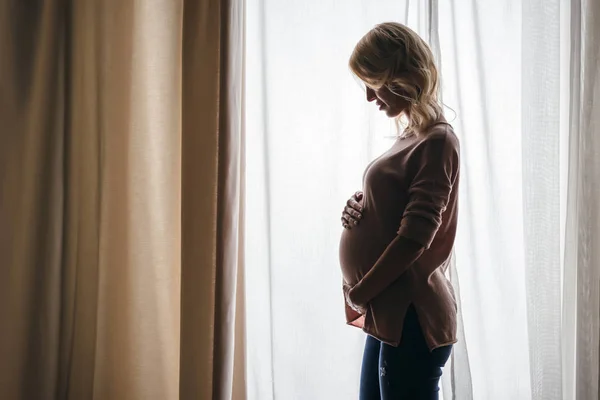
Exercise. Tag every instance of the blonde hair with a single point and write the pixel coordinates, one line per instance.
(395, 56)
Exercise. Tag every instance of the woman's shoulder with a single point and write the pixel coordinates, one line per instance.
(441, 132)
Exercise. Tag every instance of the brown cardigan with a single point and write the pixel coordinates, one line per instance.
(410, 192)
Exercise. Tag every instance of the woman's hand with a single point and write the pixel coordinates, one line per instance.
(352, 213)
(361, 309)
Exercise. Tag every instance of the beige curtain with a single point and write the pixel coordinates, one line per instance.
(212, 306)
(120, 185)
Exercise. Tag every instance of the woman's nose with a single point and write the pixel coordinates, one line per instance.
(370, 94)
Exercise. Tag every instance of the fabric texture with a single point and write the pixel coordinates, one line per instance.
(581, 331)
(212, 290)
(120, 174)
(414, 186)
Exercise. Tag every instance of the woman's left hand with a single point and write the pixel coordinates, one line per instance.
(359, 308)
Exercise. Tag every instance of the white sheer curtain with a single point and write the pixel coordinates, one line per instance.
(502, 73)
(582, 250)
(514, 96)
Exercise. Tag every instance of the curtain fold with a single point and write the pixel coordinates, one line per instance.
(541, 137)
(120, 173)
(81, 236)
(32, 97)
(583, 224)
(211, 207)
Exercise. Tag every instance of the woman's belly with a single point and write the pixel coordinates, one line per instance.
(360, 248)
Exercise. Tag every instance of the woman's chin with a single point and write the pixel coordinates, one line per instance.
(390, 113)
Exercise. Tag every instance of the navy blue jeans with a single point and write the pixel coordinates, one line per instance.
(407, 372)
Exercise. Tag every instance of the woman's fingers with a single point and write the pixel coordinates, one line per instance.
(354, 205)
(347, 221)
(352, 212)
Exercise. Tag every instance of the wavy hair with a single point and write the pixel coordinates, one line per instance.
(395, 56)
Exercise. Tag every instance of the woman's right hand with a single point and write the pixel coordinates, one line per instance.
(352, 213)
(359, 309)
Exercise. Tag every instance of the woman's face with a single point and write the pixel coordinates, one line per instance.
(388, 101)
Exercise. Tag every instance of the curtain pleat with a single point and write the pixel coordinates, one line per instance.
(31, 195)
(81, 226)
(583, 231)
(213, 51)
(139, 118)
(540, 136)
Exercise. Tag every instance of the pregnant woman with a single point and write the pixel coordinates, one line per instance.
(400, 228)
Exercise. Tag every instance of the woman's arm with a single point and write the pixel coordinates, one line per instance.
(386, 270)
(428, 196)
